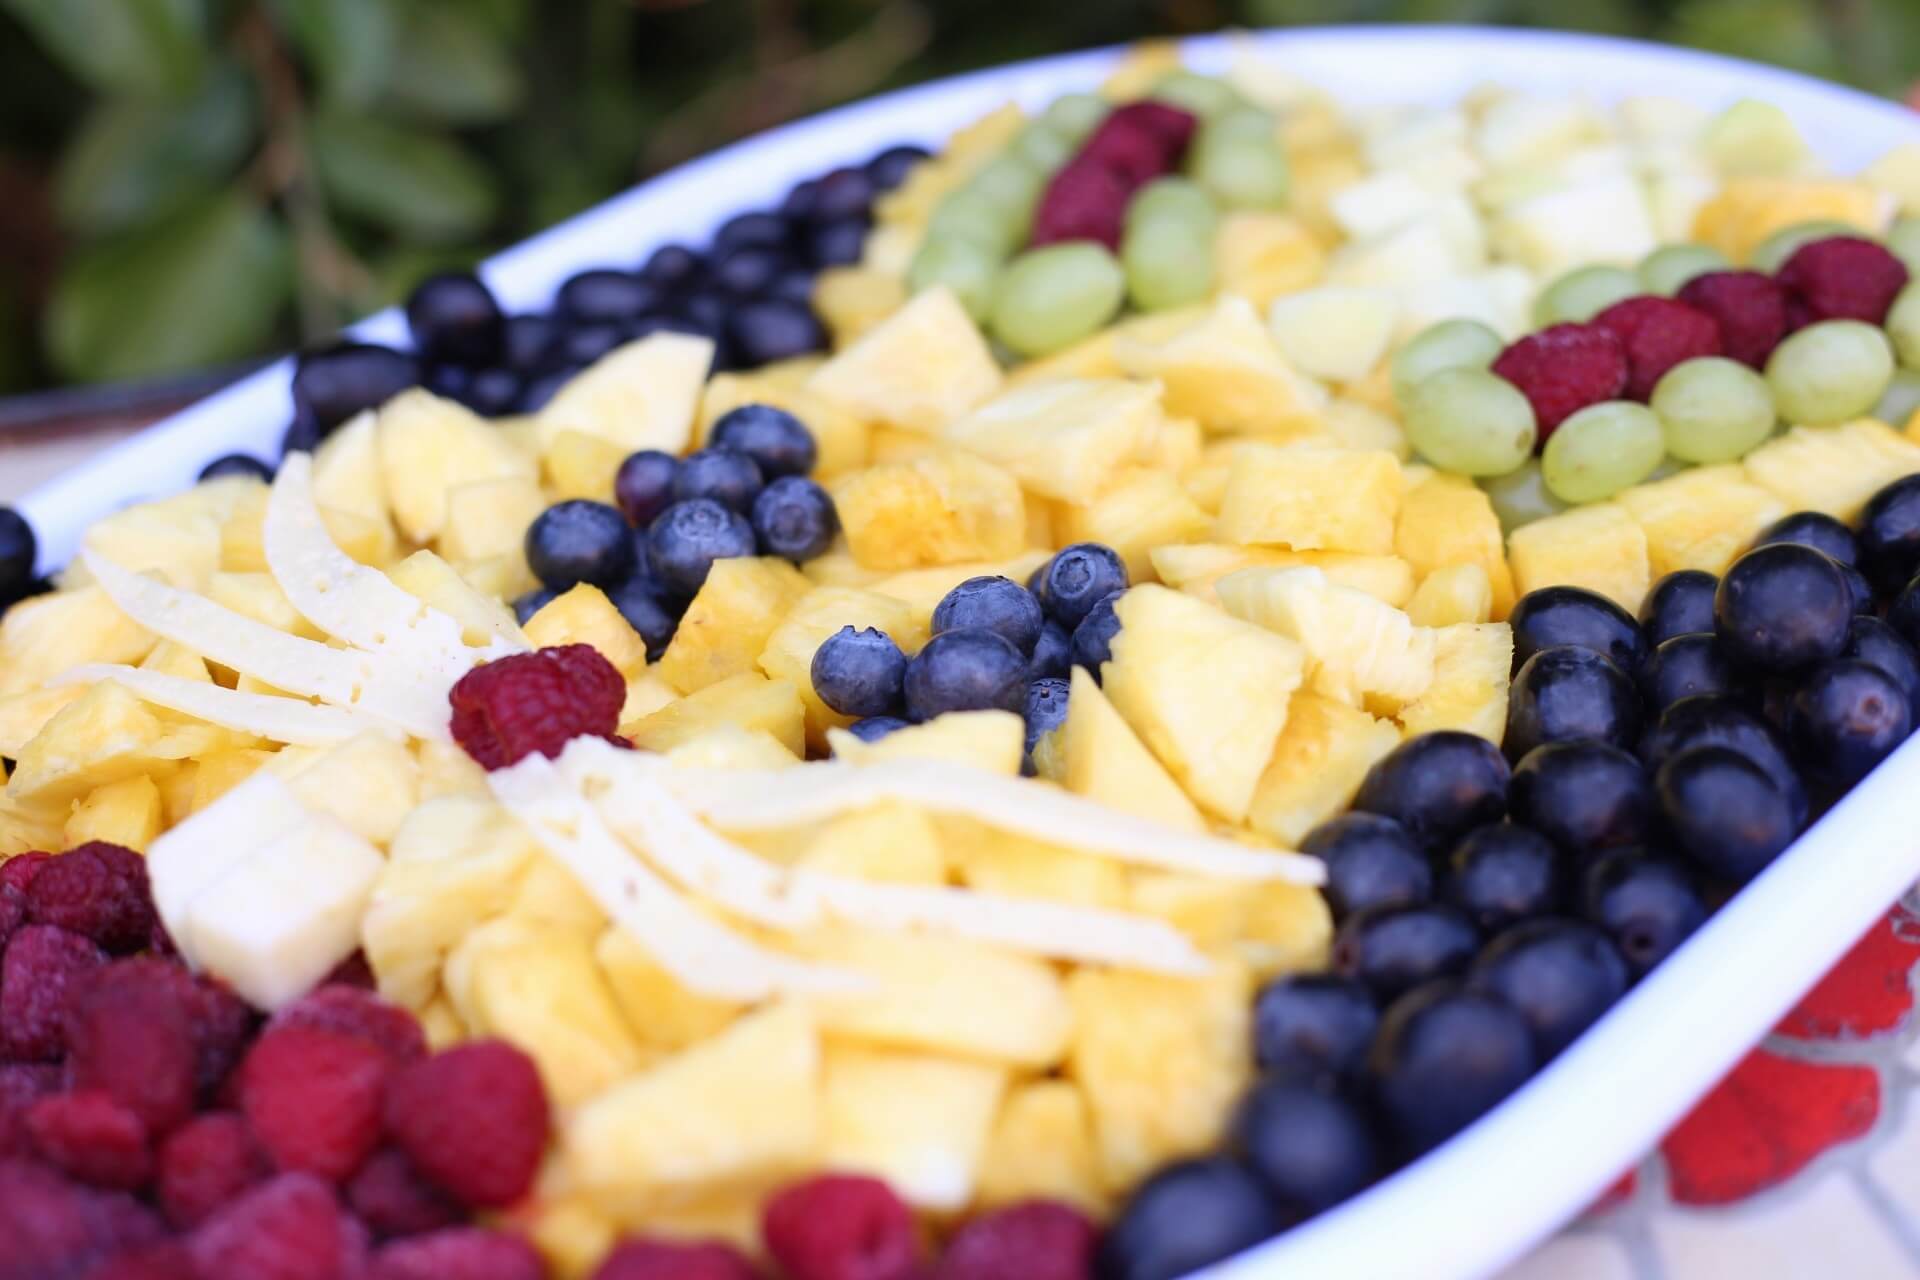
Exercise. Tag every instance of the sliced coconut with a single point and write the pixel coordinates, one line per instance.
(276, 719)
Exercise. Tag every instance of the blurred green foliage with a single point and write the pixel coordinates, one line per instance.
(187, 182)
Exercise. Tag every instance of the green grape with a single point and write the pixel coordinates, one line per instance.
(1167, 250)
(1903, 238)
(1043, 147)
(1830, 372)
(1903, 326)
(1901, 400)
(1580, 295)
(1051, 297)
(968, 214)
(1712, 409)
(1471, 422)
(968, 268)
(1521, 496)
(1238, 160)
(1075, 116)
(1205, 96)
(1601, 450)
(1772, 253)
(1451, 344)
(1013, 186)
(1664, 271)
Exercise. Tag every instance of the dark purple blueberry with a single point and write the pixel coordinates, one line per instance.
(772, 329)
(579, 541)
(1647, 905)
(836, 244)
(647, 610)
(1052, 653)
(235, 464)
(526, 342)
(707, 310)
(673, 268)
(747, 271)
(1439, 786)
(874, 728)
(778, 442)
(1312, 1025)
(859, 673)
(1861, 591)
(795, 519)
(448, 380)
(583, 344)
(797, 205)
(1559, 975)
(1889, 534)
(1723, 811)
(1311, 1146)
(336, 382)
(1079, 577)
(730, 479)
(996, 603)
(1571, 694)
(751, 231)
(1371, 862)
(1586, 797)
(1556, 616)
(844, 194)
(974, 670)
(605, 296)
(890, 168)
(1503, 874)
(1680, 604)
(1445, 1056)
(684, 540)
(1872, 641)
(454, 319)
(1188, 1215)
(303, 433)
(1722, 722)
(1846, 718)
(1781, 608)
(1685, 667)
(1093, 638)
(494, 392)
(545, 387)
(525, 606)
(1037, 583)
(18, 551)
(1903, 615)
(643, 486)
(1813, 529)
(1395, 949)
(1045, 709)
(795, 286)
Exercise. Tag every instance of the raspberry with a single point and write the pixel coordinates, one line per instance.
(1140, 142)
(473, 1119)
(289, 1228)
(168, 1260)
(351, 1011)
(355, 971)
(462, 1253)
(513, 707)
(1844, 278)
(1751, 309)
(42, 964)
(208, 1162)
(92, 1137)
(313, 1099)
(13, 912)
(98, 891)
(839, 1227)
(1173, 127)
(52, 1228)
(1564, 368)
(1084, 201)
(394, 1200)
(659, 1260)
(1657, 334)
(135, 1043)
(1037, 1240)
(219, 1022)
(22, 1085)
(20, 870)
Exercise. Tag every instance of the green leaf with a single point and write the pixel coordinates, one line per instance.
(350, 44)
(136, 161)
(150, 47)
(453, 66)
(200, 287)
(413, 182)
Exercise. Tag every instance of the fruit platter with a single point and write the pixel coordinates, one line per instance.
(1255, 657)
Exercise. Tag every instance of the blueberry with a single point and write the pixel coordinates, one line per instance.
(1889, 534)
(859, 673)
(526, 341)
(1394, 949)
(525, 606)
(730, 479)
(1723, 811)
(1439, 786)
(838, 243)
(1859, 590)
(1311, 1146)
(746, 272)
(454, 319)
(1723, 722)
(1782, 607)
(673, 268)
(494, 392)
(546, 387)
(1445, 1056)
(778, 442)
(1570, 694)
(1555, 616)
(794, 285)
(1647, 905)
(605, 296)
(303, 432)
(1847, 718)
(647, 610)
(1371, 862)
(1037, 583)
(1313, 1024)
(1583, 796)
(584, 343)
(1045, 709)
(874, 728)
(18, 550)
(1872, 641)
(643, 486)
(844, 194)
(1680, 604)
(1078, 578)
(684, 540)
(336, 382)
(773, 329)
(1502, 874)
(579, 541)
(975, 670)
(794, 518)
(1560, 975)
(890, 168)
(1903, 615)
(751, 230)
(449, 381)
(1684, 667)
(1813, 529)
(707, 309)
(996, 603)
(1052, 653)
(236, 464)
(664, 322)
(1185, 1216)
(1093, 638)
(797, 205)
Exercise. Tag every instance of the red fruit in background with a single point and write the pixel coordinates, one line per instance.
(474, 1119)
(1036, 1240)
(664, 1260)
(1657, 334)
(354, 971)
(132, 1040)
(168, 1260)
(1749, 307)
(20, 870)
(98, 891)
(51, 1226)
(290, 1228)
(93, 1138)
(313, 1099)
(1173, 127)
(21, 1085)
(1140, 141)
(218, 1021)
(351, 1011)
(207, 1163)
(41, 967)
(838, 1227)
(515, 706)
(1564, 368)
(1844, 278)
(394, 1199)
(1084, 201)
(13, 912)
(461, 1253)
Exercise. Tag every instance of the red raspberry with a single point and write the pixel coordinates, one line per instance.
(168, 1260)
(208, 1162)
(21, 1085)
(93, 1138)
(134, 1043)
(351, 1011)
(290, 1228)
(1844, 278)
(1140, 142)
(98, 891)
(51, 1227)
(41, 966)
(473, 1119)
(1173, 127)
(513, 707)
(1657, 334)
(313, 1099)
(19, 870)
(1037, 1240)
(839, 1227)
(355, 971)
(1564, 368)
(393, 1199)
(661, 1260)
(13, 912)
(1750, 307)
(1084, 201)
(462, 1253)
(219, 1022)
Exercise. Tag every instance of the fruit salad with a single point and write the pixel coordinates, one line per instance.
(1048, 708)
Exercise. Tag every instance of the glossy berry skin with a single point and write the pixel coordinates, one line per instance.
(1813, 529)
(769, 329)
(1560, 975)
(1568, 694)
(1078, 578)
(1846, 718)
(794, 518)
(237, 464)
(1723, 812)
(1680, 604)
(643, 486)
(336, 382)
(1093, 638)
(874, 728)
(582, 344)
(494, 392)
(1311, 1146)
(745, 272)
(778, 442)
(673, 267)
(1313, 1024)
(972, 670)
(18, 551)
(1503, 874)
(1554, 616)
(1371, 861)
(1395, 949)
(859, 673)
(1889, 534)
(1685, 667)
(526, 342)
(525, 606)
(1185, 1216)
(1444, 1057)
(546, 386)
(579, 541)
(1724, 722)
(1864, 604)
(454, 319)
(846, 193)
(1584, 796)
(648, 610)
(1439, 786)
(1782, 607)
(890, 168)
(1045, 708)
(730, 479)
(995, 603)
(1873, 642)
(1646, 904)
(757, 230)
(684, 540)
(1903, 615)
(602, 295)
(836, 244)
(1052, 653)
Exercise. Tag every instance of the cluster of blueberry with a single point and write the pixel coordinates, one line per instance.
(19, 549)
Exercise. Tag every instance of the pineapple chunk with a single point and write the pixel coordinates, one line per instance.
(1897, 172)
(483, 619)
(442, 1026)
(1206, 692)
(430, 446)
(369, 784)
(569, 1233)
(1226, 372)
(125, 813)
(1448, 520)
(1064, 439)
(891, 842)
(1833, 469)
(1356, 647)
(916, 1121)
(1145, 65)
(1285, 928)
(1312, 499)
(178, 537)
(1472, 665)
(259, 597)
(1598, 547)
(1196, 568)
(726, 627)
(578, 464)
(853, 301)
(103, 737)
(170, 659)
(944, 508)
(925, 588)
(1700, 518)
(840, 438)
(1324, 752)
(550, 895)
(25, 828)
(1014, 866)
(817, 615)
(992, 741)
(1350, 424)
(1142, 509)
(919, 369)
(490, 517)
(646, 694)
(1176, 445)
(1041, 1148)
(889, 444)
(665, 1016)
(639, 396)
(347, 474)
(731, 747)
(1261, 256)
(1335, 333)
(1104, 760)
(447, 770)
(23, 715)
(584, 615)
(44, 635)
(1748, 210)
(748, 701)
(1457, 593)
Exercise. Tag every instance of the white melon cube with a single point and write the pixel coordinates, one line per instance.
(194, 855)
(1649, 117)
(1376, 205)
(1523, 130)
(1420, 250)
(1580, 225)
(1403, 142)
(1334, 333)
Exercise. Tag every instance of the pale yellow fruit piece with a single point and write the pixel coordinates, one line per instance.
(647, 692)
(731, 747)
(892, 842)
(1323, 753)
(748, 701)
(1104, 760)
(919, 369)
(176, 794)
(584, 615)
(1599, 547)
(890, 444)
(840, 438)
(1457, 593)
(44, 635)
(1351, 424)
(258, 596)
(1176, 445)
(1206, 692)
(1211, 911)
(726, 627)
(483, 619)
(945, 508)
(639, 396)
(663, 1014)
(817, 615)
(490, 517)
(366, 541)
(853, 301)
(1144, 507)
(441, 1025)
(125, 813)
(430, 446)
(991, 741)
(1313, 499)
(1897, 172)
(369, 783)
(1702, 517)
(1285, 928)
(1318, 174)
(25, 714)
(1375, 391)
(347, 471)
(1013, 866)
(1833, 469)
(1064, 439)
(1357, 648)
(26, 828)
(1146, 64)
(1041, 1148)
(1748, 210)
(923, 589)
(447, 770)
(1448, 520)
(570, 1234)
(170, 659)
(177, 537)
(1263, 256)
(1336, 333)
(917, 1122)
(581, 464)
(1093, 357)
(549, 894)
(1195, 568)
(1472, 664)
(1227, 373)
(218, 772)
(103, 737)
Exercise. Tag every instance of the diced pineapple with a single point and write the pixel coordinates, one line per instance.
(1455, 594)
(482, 618)
(177, 537)
(1143, 508)
(125, 813)
(1598, 547)
(1351, 424)
(103, 737)
(447, 770)
(890, 444)
(1285, 928)
(26, 827)
(170, 659)
(663, 1014)
(1312, 499)
(1448, 520)
(44, 635)
(853, 301)
(639, 396)
(1357, 648)
(1176, 445)
(1226, 372)
(584, 615)
(891, 842)
(1700, 518)
(991, 860)
(731, 747)
(1262, 256)
(1104, 760)
(505, 577)
(726, 627)
(749, 701)
(923, 589)
(1335, 333)
(1897, 172)
(570, 1234)
(580, 464)
(1206, 692)
(1195, 568)
(551, 895)
(217, 772)
(1041, 1148)
(945, 508)
(1323, 753)
(1145, 64)
(836, 567)
(347, 472)
(1472, 664)
(258, 596)
(1748, 210)
(490, 518)
(430, 446)
(916, 1121)
(243, 533)
(369, 783)
(840, 438)
(1210, 910)
(992, 741)
(817, 615)
(25, 714)
(1833, 469)
(919, 369)
(1064, 439)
